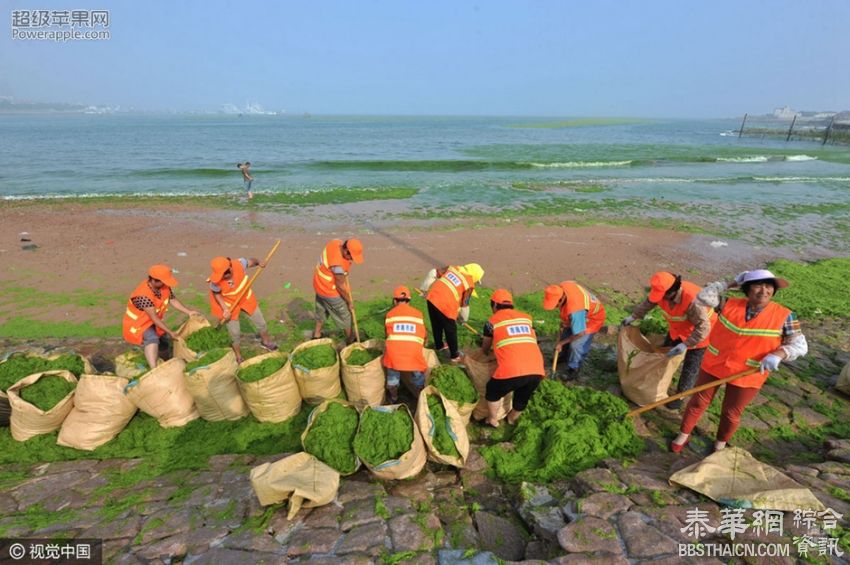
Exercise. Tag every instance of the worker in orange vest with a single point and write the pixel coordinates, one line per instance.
(582, 316)
(689, 323)
(448, 296)
(227, 281)
(330, 281)
(146, 309)
(406, 335)
(519, 362)
(752, 333)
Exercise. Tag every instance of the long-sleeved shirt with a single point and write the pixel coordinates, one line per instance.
(695, 313)
(794, 343)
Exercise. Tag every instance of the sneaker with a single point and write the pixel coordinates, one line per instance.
(269, 346)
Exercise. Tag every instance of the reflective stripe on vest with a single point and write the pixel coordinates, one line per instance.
(750, 332)
(454, 279)
(323, 264)
(413, 338)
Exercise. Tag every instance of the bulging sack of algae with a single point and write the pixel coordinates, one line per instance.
(330, 435)
(389, 443)
(562, 431)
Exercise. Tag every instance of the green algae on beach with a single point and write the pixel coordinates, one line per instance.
(209, 338)
(206, 359)
(362, 356)
(317, 357)
(261, 370)
(383, 435)
(331, 437)
(442, 440)
(47, 392)
(562, 431)
(17, 366)
(454, 384)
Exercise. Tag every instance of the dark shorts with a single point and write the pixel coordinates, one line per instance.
(522, 387)
(150, 337)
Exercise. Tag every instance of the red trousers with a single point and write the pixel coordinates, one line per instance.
(734, 402)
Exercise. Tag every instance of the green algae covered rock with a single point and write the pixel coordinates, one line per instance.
(453, 383)
(315, 357)
(47, 392)
(261, 370)
(443, 442)
(206, 339)
(562, 431)
(207, 359)
(363, 356)
(16, 367)
(330, 436)
(383, 435)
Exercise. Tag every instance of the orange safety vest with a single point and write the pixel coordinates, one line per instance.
(230, 290)
(515, 345)
(323, 277)
(580, 299)
(405, 339)
(676, 314)
(736, 345)
(137, 321)
(447, 292)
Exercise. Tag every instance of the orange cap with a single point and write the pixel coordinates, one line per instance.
(502, 296)
(659, 284)
(551, 296)
(356, 249)
(219, 266)
(164, 274)
(401, 292)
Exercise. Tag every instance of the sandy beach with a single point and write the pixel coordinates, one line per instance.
(107, 247)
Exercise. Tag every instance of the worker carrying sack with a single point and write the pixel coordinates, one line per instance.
(645, 370)
(28, 420)
(190, 326)
(444, 434)
(364, 384)
(316, 385)
(100, 412)
(300, 478)
(480, 368)
(411, 455)
(161, 393)
(273, 398)
(214, 389)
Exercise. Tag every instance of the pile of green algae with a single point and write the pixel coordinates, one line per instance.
(442, 441)
(207, 359)
(454, 384)
(362, 356)
(562, 431)
(18, 366)
(330, 437)
(208, 338)
(47, 392)
(383, 435)
(261, 370)
(317, 357)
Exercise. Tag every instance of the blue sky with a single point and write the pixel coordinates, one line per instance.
(540, 58)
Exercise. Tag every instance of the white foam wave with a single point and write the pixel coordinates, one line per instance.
(581, 164)
(800, 158)
(729, 133)
(753, 159)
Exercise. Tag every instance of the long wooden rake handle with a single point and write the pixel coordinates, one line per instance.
(688, 392)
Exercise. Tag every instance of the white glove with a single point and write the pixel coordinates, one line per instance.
(678, 350)
(769, 363)
(740, 277)
(627, 321)
(463, 314)
(428, 280)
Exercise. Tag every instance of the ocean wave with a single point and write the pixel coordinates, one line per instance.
(800, 158)
(581, 164)
(749, 159)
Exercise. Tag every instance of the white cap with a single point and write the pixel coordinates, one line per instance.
(761, 275)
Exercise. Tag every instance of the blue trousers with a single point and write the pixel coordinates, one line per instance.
(576, 351)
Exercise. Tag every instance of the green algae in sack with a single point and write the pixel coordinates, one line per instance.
(16, 367)
(47, 392)
(562, 431)
(261, 370)
(206, 339)
(454, 384)
(363, 356)
(315, 357)
(383, 435)
(206, 359)
(442, 441)
(331, 437)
